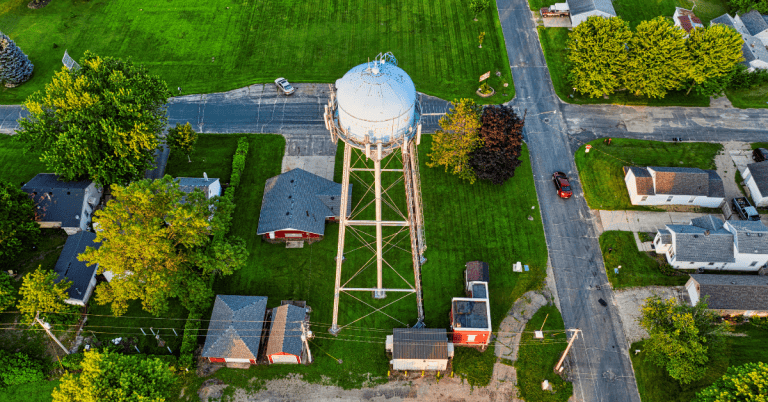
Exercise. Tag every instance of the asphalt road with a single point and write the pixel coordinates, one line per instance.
(599, 363)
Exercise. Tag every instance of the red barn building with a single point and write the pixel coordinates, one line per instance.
(297, 204)
(471, 316)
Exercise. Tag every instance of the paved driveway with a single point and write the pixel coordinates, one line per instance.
(645, 221)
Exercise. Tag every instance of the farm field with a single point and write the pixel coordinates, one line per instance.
(602, 176)
(220, 45)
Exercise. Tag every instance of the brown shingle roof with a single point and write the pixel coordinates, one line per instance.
(643, 180)
(680, 181)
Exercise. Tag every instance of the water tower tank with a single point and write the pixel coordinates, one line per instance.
(377, 100)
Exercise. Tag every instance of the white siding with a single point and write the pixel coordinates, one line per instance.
(418, 364)
(661, 199)
(692, 292)
(579, 18)
(759, 199)
(229, 360)
(288, 359)
(214, 190)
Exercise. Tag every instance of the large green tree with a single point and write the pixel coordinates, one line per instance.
(101, 121)
(598, 56)
(42, 291)
(714, 53)
(182, 138)
(747, 383)
(18, 368)
(458, 136)
(156, 242)
(18, 229)
(115, 377)
(680, 336)
(658, 60)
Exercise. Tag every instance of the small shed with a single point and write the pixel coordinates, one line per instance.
(82, 275)
(731, 294)
(285, 344)
(67, 205)
(476, 271)
(211, 187)
(419, 349)
(296, 206)
(470, 317)
(235, 331)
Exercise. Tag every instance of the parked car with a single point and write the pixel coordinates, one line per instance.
(745, 210)
(760, 154)
(283, 85)
(562, 185)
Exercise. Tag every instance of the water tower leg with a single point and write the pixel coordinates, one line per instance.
(378, 294)
(343, 206)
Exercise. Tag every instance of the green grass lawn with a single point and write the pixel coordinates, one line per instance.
(219, 45)
(553, 43)
(637, 267)
(537, 358)
(17, 166)
(756, 145)
(655, 385)
(33, 392)
(463, 223)
(602, 176)
(749, 98)
(536, 5)
(635, 11)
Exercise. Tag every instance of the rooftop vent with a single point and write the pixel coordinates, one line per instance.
(205, 176)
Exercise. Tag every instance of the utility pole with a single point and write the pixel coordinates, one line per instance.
(47, 329)
(305, 335)
(559, 365)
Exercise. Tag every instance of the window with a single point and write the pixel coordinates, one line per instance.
(691, 262)
(471, 338)
(669, 199)
(658, 240)
(711, 263)
(645, 197)
(753, 263)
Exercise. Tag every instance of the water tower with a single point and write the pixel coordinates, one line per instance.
(376, 113)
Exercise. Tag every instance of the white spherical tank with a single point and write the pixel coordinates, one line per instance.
(376, 102)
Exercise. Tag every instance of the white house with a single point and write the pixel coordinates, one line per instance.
(754, 31)
(63, 204)
(583, 9)
(419, 349)
(745, 295)
(655, 185)
(82, 275)
(709, 243)
(686, 19)
(756, 178)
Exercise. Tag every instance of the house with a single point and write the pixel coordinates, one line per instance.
(686, 20)
(82, 275)
(210, 187)
(709, 243)
(756, 179)
(297, 204)
(655, 185)
(731, 294)
(470, 317)
(285, 344)
(419, 349)
(67, 205)
(234, 333)
(583, 9)
(752, 27)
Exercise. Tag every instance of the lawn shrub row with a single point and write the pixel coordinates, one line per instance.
(189, 342)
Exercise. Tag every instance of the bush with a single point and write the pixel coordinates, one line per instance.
(189, 341)
(744, 79)
(73, 362)
(18, 368)
(7, 292)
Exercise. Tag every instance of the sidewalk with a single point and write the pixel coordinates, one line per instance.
(644, 221)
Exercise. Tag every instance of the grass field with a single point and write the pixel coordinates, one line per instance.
(635, 11)
(220, 45)
(655, 385)
(553, 43)
(750, 98)
(33, 392)
(463, 223)
(16, 166)
(602, 177)
(637, 267)
(756, 145)
(537, 357)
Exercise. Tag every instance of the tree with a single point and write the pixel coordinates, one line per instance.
(101, 121)
(679, 336)
(15, 67)
(182, 138)
(714, 53)
(116, 378)
(18, 368)
(41, 291)
(478, 6)
(597, 55)
(748, 382)
(658, 61)
(744, 6)
(7, 292)
(18, 229)
(457, 137)
(156, 241)
(502, 136)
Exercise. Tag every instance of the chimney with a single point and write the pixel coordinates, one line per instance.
(706, 233)
(205, 176)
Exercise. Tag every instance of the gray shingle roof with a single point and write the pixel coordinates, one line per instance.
(299, 200)
(419, 343)
(751, 236)
(754, 49)
(235, 327)
(285, 332)
(643, 180)
(734, 292)
(709, 222)
(189, 184)
(680, 181)
(692, 243)
(57, 201)
(716, 188)
(76, 271)
(765, 18)
(754, 22)
(724, 19)
(759, 172)
(584, 6)
(666, 236)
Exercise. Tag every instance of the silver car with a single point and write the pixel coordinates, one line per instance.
(283, 85)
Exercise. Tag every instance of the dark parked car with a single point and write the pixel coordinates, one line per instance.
(760, 154)
(562, 185)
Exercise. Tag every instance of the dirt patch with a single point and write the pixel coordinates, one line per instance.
(630, 301)
(38, 4)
